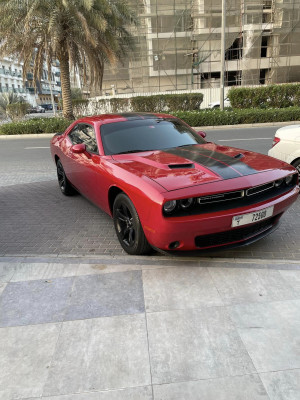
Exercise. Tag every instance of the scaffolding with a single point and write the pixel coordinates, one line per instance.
(178, 46)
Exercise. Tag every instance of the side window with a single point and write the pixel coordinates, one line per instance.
(84, 134)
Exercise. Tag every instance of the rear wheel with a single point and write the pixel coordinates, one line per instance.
(65, 186)
(296, 164)
(128, 227)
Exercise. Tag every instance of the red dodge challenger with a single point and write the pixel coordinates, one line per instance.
(168, 188)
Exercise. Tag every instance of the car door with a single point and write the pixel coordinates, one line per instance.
(82, 168)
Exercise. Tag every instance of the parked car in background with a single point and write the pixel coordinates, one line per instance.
(36, 109)
(47, 106)
(286, 145)
(166, 187)
(216, 104)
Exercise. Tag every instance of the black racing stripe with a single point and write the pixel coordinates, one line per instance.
(225, 166)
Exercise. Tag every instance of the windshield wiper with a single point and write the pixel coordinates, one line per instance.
(185, 145)
(131, 151)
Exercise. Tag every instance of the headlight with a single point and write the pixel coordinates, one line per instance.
(186, 203)
(288, 179)
(279, 182)
(170, 206)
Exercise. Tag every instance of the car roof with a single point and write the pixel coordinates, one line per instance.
(118, 117)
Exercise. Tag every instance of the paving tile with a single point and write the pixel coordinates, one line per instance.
(100, 354)
(248, 387)
(25, 356)
(31, 271)
(179, 288)
(270, 332)
(2, 287)
(34, 302)
(241, 285)
(137, 393)
(195, 344)
(293, 279)
(282, 385)
(106, 295)
(7, 271)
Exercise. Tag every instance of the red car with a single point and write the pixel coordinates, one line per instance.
(166, 187)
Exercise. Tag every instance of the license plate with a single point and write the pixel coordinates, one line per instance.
(250, 218)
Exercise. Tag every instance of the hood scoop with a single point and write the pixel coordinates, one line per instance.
(181, 166)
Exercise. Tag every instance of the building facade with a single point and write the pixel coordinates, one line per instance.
(11, 80)
(179, 42)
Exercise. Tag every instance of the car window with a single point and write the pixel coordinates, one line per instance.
(146, 134)
(84, 133)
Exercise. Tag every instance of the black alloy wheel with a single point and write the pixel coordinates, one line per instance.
(128, 227)
(296, 164)
(65, 186)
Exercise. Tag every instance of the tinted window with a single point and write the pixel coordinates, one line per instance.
(84, 134)
(146, 134)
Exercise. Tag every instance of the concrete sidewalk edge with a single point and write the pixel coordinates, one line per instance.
(70, 259)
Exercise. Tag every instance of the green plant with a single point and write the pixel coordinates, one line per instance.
(35, 125)
(235, 116)
(9, 98)
(17, 111)
(166, 102)
(269, 96)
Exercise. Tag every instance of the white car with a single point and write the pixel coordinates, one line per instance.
(216, 104)
(286, 145)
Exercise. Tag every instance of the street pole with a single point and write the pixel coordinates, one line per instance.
(222, 54)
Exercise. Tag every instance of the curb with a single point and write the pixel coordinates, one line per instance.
(262, 125)
(27, 136)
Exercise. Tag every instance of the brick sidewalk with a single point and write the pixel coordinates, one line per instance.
(36, 219)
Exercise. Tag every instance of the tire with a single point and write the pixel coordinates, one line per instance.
(296, 164)
(65, 187)
(128, 227)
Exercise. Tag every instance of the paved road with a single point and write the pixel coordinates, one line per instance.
(36, 219)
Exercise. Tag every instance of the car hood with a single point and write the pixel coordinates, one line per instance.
(187, 166)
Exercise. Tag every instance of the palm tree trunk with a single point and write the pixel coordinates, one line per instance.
(63, 59)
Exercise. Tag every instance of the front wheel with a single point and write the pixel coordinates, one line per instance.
(65, 186)
(296, 164)
(128, 227)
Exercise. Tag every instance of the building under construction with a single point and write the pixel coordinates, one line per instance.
(179, 42)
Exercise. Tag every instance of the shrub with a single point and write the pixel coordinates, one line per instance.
(35, 125)
(80, 107)
(167, 102)
(269, 96)
(234, 117)
(17, 111)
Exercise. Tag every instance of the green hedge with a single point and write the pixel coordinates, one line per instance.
(166, 102)
(280, 96)
(35, 125)
(193, 118)
(234, 117)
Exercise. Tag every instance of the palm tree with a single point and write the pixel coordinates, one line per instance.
(78, 33)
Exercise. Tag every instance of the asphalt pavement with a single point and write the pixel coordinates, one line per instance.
(81, 320)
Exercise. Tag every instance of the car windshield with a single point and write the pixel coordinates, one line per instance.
(146, 134)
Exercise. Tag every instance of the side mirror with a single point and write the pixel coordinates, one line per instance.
(201, 133)
(79, 148)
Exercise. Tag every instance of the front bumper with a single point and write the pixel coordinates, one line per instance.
(213, 230)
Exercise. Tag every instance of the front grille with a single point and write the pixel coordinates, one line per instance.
(235, 235)
(214, 198)
(260, 188)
